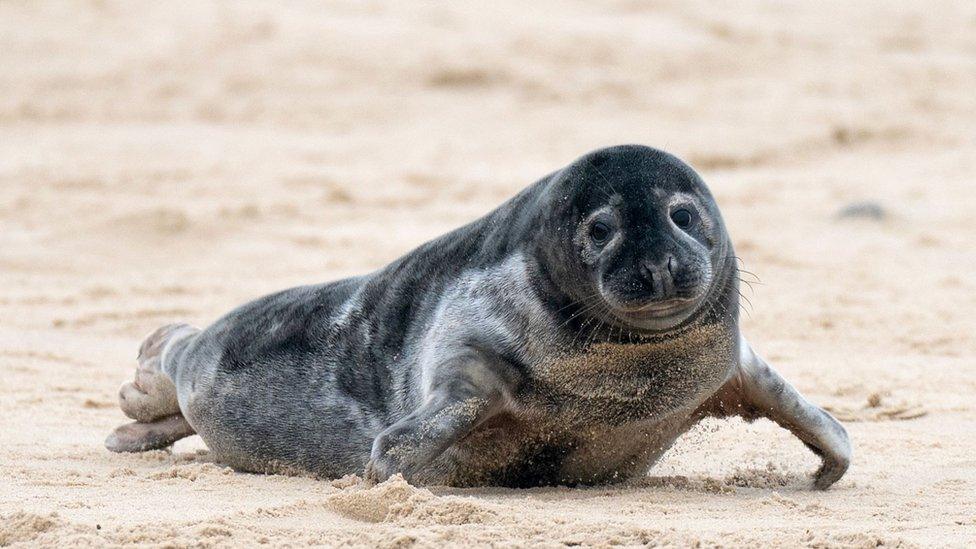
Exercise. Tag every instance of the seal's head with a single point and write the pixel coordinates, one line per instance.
(640, 240)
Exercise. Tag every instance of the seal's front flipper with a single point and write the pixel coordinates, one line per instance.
(465, 391)
(756, 390)
(139, 437)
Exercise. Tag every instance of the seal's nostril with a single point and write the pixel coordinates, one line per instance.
(648, 271)
(655, 276)
(671, 264)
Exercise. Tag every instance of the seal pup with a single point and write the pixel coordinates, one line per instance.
(567, 337)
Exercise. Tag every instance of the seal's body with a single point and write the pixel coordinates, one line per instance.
(570, 336)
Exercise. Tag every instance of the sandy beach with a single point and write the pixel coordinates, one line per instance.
(165, 162)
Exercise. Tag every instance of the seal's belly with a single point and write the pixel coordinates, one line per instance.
(598, 418)
(519, 451)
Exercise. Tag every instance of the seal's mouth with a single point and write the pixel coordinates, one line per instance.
(654, 314)
(661, 308)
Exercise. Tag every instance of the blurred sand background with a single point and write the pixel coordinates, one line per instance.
(167, 161)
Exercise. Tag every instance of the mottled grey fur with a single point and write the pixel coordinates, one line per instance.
(570, 336)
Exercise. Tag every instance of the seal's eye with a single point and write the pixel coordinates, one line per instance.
(600, 232)
(682, 218)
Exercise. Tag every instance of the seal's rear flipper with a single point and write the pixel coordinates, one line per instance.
(139, 437)
(151, 395)
(150, 398)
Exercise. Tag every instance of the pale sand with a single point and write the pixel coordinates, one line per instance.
(167, 161)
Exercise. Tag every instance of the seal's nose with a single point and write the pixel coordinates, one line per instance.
(660, 275)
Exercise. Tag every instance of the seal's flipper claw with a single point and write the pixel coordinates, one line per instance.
(140, 437)
(830, 471)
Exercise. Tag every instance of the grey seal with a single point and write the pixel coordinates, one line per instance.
(567, 337)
